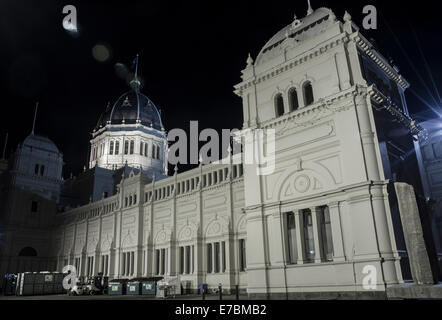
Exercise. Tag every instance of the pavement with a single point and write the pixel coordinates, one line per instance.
(119, 297)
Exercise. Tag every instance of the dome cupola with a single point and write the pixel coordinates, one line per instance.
(130, 133)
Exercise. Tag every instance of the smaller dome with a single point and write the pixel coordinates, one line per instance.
(128, 108)
(304, 24)
(40, 143)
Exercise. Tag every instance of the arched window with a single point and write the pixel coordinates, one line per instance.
(111, 148)
(117, 147)
(141, 148)
(145, 148)
(126, 147)
(37, 167)
(158, 152)
(308, 93)
(132, 144)
(293, 100)
(154, 151)
(279, 105)
(42, 170)
(27, 252)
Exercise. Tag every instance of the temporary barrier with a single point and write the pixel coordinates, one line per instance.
(186, 287)
(9, 284)
(39, 283)
(117, 287)
(133, 288)
(149, 288)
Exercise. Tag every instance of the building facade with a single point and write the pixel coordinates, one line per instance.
(30, 189)
(320, 223)
(431, 155)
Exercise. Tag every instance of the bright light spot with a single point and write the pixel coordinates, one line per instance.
(101, 52)
(70, 27)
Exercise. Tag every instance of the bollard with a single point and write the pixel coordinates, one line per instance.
(220, 290)
(204, 294)
(237, 291)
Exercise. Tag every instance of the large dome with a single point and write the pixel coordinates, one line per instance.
(130, 107)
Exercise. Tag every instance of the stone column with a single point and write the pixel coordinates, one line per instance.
(368, 136)
(317, 236)
(299, 222)
(335, 220)
(414, 238)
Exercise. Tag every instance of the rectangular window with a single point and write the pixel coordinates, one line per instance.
(291, 239)
(132, 263)
(117, 147)
(188, 260)
(123, 264)
(157, 262)
(223, 250)
(77, 265)
(89, 266)
(105, 267)
(34, 207)
(132, 144)
(308, 236)
(326, 234)
(242, 255)
(111, 148)
(181, 260)
(102, 264)
(217, 252)
(209, 258)
(126, 147)
(193, 259)
(163, 261)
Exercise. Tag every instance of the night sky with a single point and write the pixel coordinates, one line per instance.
(191, 55)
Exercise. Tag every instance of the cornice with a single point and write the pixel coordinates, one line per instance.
(291, 64)
(367, 48)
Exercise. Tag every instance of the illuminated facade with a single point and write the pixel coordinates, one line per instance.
(310, 227)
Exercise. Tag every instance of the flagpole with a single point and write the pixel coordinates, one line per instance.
(136, 67)
(6, 143)
(35, 116)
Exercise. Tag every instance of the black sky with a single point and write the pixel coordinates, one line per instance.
(191, 55)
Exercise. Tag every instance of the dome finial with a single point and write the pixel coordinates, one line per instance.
(135, 83)
(347, 17)
(249, 60)
(309, 10)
